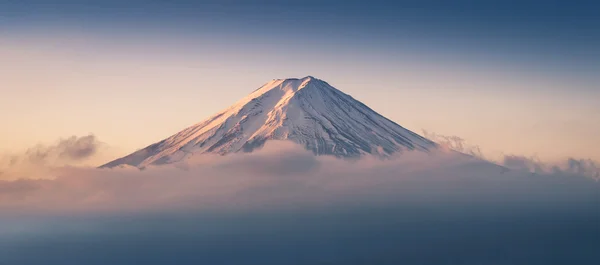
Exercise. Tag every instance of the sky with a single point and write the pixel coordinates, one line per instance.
(84, 82)
(517, 77)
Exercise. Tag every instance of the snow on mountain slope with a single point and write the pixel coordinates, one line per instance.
(307, 111)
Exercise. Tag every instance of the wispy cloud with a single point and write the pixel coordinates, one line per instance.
(570, 165)
(455, 143)
(70, 149)
(36, 161)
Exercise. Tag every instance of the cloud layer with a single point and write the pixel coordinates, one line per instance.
(283, 173)
(282, 205)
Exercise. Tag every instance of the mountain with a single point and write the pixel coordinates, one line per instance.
(307, 111)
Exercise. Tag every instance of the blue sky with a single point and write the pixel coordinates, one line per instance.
(514, 77)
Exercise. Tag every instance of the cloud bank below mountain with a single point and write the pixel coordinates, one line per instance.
(283, 205)
(285, 174)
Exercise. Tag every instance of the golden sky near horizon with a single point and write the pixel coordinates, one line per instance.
(130, 97)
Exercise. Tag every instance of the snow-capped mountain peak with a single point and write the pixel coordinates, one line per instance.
(307, 111)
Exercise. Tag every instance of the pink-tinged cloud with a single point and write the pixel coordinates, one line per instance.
(285, 175)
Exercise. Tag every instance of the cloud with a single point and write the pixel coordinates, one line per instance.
(585, 167)
(286, 174)
(523, 163)
(37, 161)
(269, 205)
(569, 166)
(454, 143)
(71, 149)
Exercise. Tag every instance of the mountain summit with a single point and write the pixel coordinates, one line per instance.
(307, 111)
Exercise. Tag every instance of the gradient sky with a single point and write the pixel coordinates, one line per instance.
(517, 77)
